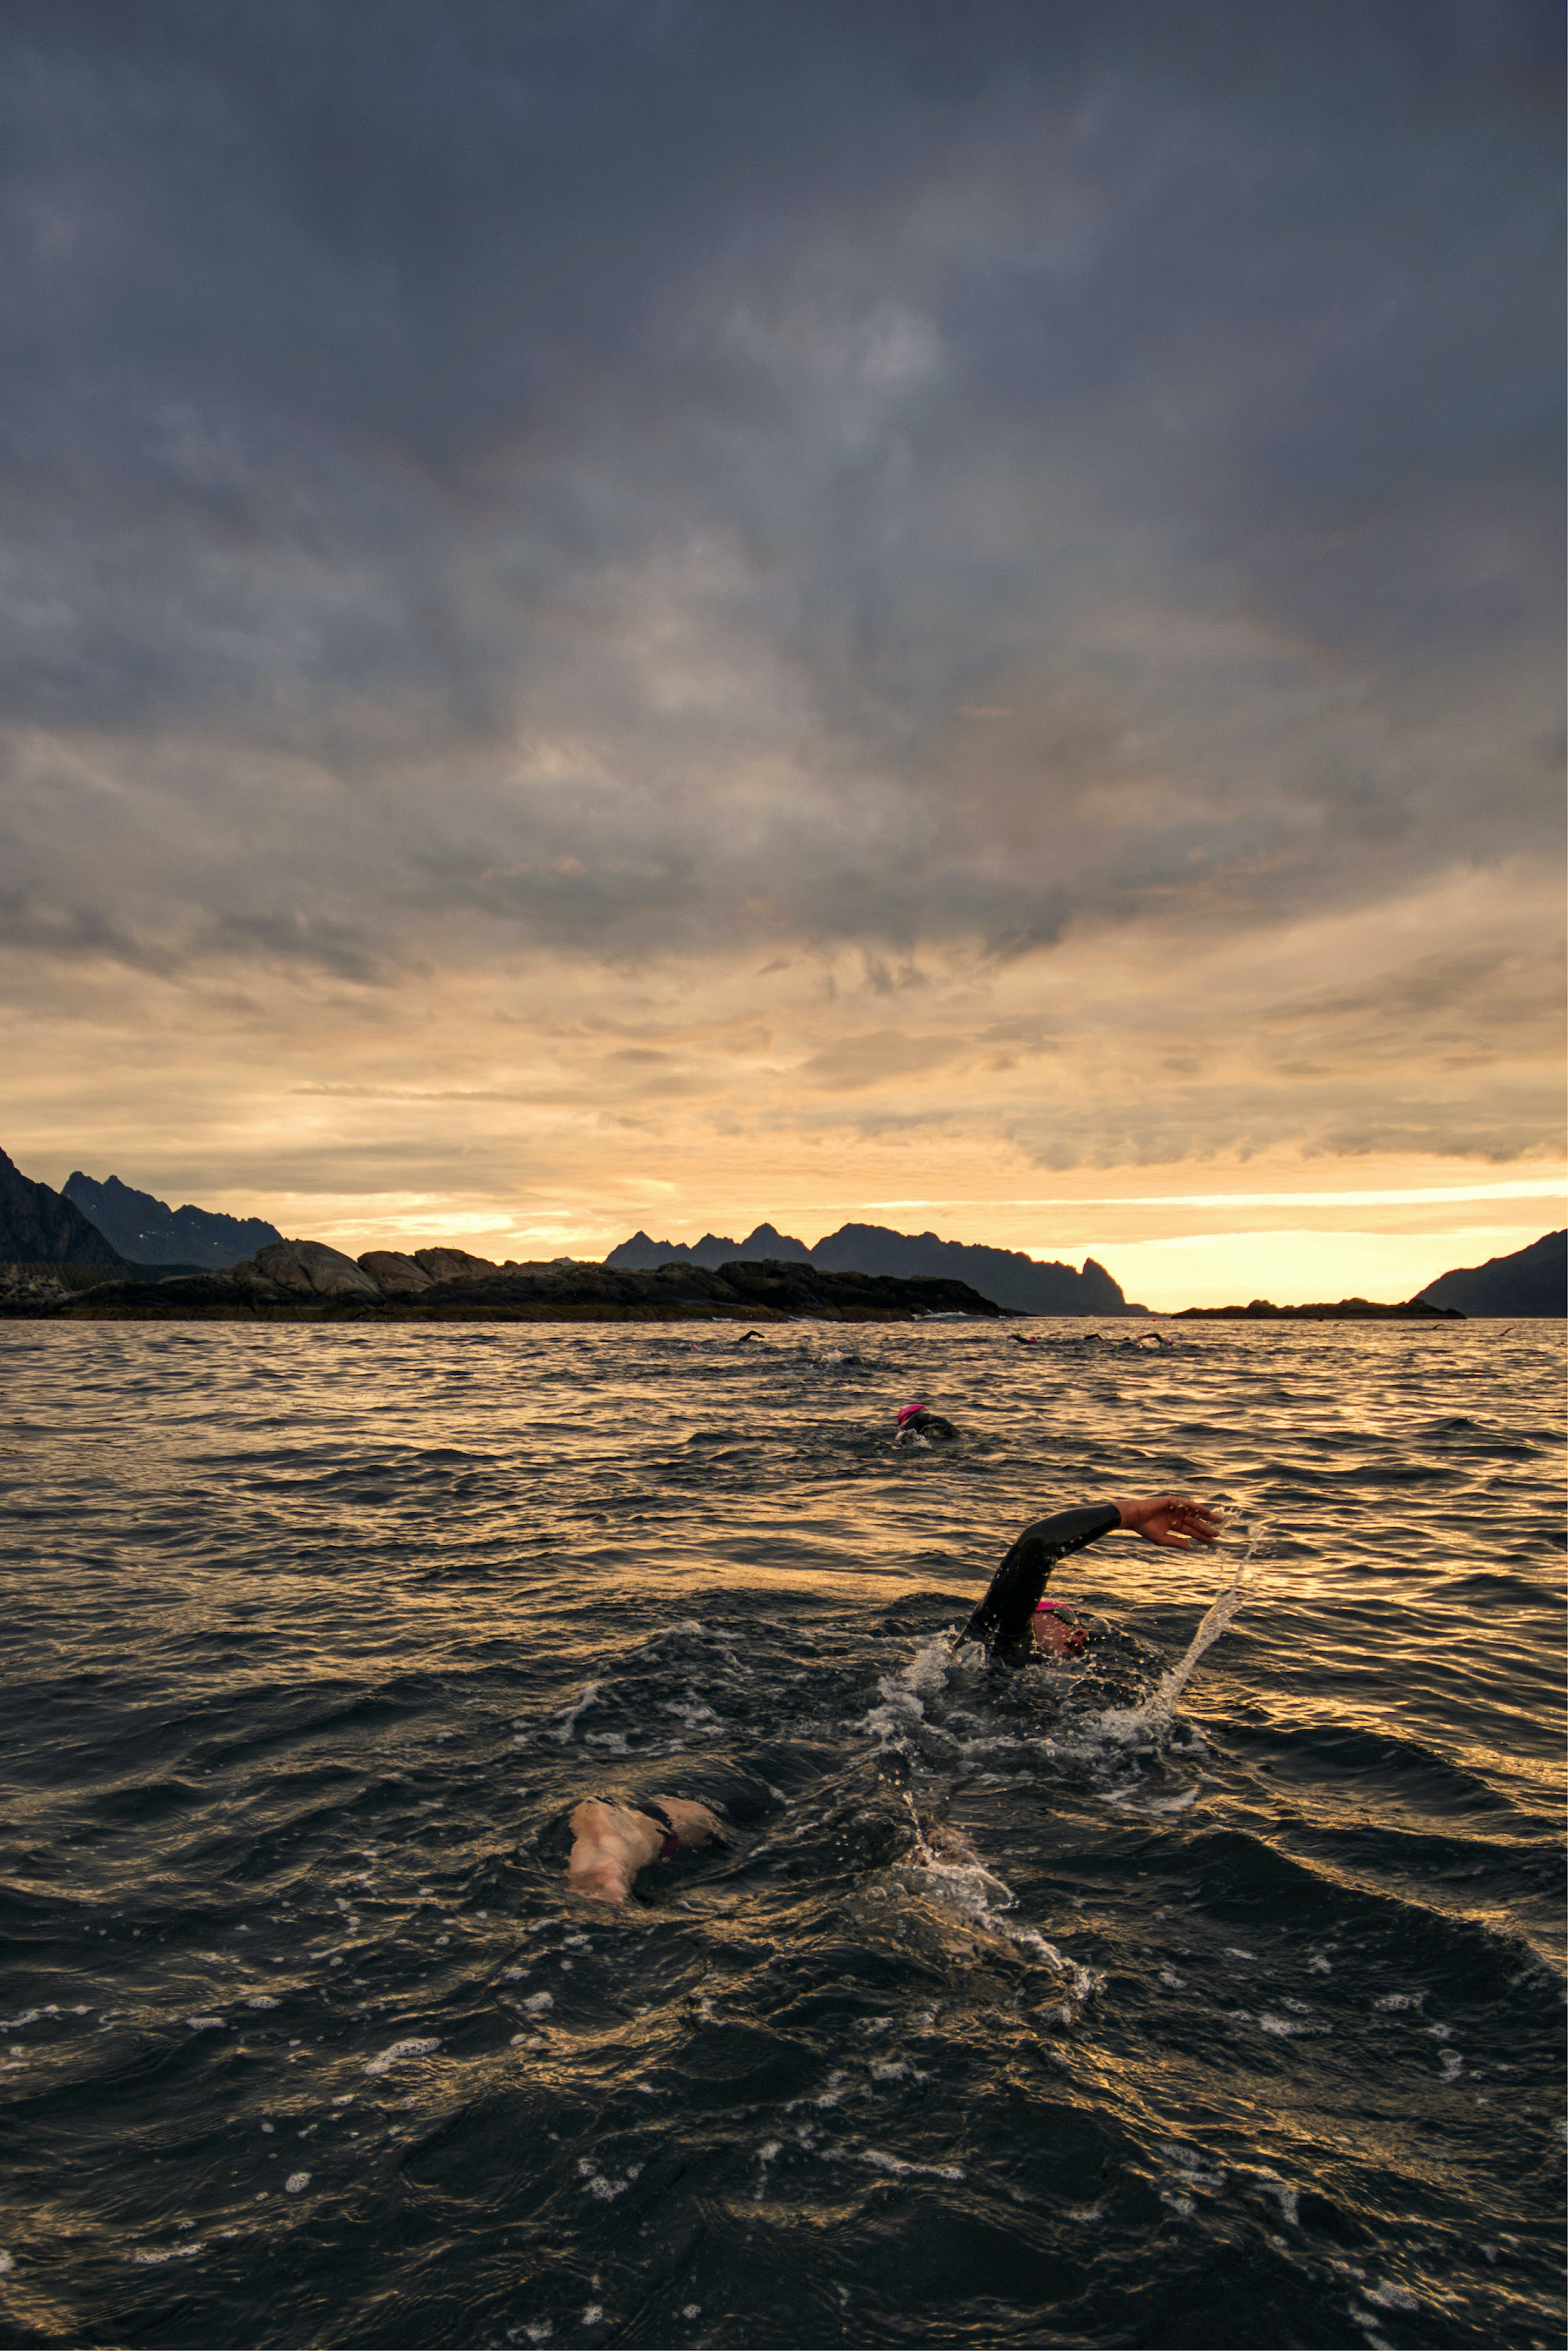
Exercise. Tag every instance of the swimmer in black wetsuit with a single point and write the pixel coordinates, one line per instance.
(1014, 1618)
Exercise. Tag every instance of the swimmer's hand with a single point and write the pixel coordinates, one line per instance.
(1172, 1520)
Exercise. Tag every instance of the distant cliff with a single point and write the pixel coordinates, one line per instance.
(1006, 1276)
(1532, 1281)
(147, 1231)
(37, 1226)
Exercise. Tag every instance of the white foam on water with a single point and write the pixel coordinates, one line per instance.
(1389, 2296)
(148, 2255)
(928, 1670)
(896, 2166)
(966, 1888)
(1290, 2198)
(565, 1723)
(600, 2184)
(398, 2051)
(1189, 2162)
(296, 2183)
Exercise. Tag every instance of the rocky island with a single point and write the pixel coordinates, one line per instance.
(1346, 1310)
(306, 1281)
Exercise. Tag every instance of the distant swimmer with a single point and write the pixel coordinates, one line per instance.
(915, 1421)
(745, 1335)
(1020, 1340)
(1015, 1618)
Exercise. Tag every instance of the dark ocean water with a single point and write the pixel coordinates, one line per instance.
(1241, 2026)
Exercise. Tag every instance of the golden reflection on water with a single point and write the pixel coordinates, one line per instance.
(312, 1615)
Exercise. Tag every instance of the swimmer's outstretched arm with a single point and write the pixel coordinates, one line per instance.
(1002, 1620)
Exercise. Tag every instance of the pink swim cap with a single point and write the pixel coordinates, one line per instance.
(909, 1412)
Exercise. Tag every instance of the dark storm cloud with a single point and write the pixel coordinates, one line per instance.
(566, 473)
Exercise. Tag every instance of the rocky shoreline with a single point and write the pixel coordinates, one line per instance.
(306, 1281)
(1347, 1309)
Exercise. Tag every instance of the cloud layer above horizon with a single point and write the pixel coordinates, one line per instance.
(778, 588)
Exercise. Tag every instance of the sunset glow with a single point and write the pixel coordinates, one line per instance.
(965, 676)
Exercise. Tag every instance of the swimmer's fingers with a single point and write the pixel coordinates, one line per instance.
(1170, 1519)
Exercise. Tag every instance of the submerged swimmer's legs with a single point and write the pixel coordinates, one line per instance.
(611, 1842)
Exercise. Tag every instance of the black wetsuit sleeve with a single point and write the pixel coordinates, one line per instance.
(1003, 1619)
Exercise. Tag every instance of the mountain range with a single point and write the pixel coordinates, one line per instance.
(109, 1228)
(147, 1231)
(1006, 1276)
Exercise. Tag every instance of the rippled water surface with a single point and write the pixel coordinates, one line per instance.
(1030, 2009)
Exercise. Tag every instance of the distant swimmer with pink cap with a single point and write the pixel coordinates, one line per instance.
(1014, 1621)
(915, 1421)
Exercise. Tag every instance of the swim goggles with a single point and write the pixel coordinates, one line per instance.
(1077, 1638)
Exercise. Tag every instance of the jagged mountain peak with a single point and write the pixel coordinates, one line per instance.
(146, 1231)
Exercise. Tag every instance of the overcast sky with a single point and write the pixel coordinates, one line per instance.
(666, 613)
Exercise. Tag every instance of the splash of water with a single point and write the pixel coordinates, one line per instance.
(1157, 1708)
(957, 1881)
